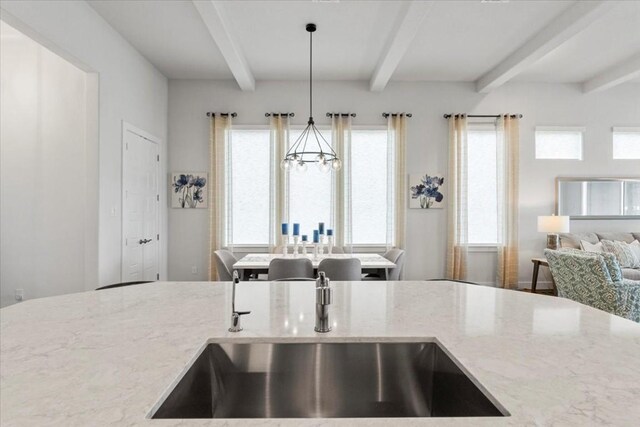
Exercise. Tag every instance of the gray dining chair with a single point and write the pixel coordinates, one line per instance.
(282, 268)
(224, 264)
(341, 268)
(396, 256)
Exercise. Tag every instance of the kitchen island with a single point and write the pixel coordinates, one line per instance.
(108, 357)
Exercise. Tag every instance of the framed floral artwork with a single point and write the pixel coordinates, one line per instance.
(189, 190)
(426, 191)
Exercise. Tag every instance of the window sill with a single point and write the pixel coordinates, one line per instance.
(483, 248)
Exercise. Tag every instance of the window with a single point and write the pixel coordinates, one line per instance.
(482, 196)
(559, 143)
(310, 193)
(249, 173)
(626, 143)
(369, 187)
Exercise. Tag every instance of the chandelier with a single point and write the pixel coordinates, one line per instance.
(311, 146)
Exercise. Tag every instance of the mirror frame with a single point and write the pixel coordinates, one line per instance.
(560, 180)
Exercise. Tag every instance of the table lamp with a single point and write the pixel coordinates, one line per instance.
(552, 225)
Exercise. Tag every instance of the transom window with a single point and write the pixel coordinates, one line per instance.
(626, 143)
(559, 143)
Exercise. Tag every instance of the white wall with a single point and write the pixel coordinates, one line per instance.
(44, 199)
(131, 89)
(541, 104)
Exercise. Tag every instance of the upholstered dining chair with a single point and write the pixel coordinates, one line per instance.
(282, 268)
(341, 268)
(396, 256)
(224, 264)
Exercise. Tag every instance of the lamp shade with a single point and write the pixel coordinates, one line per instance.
(553, 224)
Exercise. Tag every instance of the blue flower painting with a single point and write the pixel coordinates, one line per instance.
(426, 191)
(189, 190)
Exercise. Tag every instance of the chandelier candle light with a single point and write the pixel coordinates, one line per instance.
(311, 146)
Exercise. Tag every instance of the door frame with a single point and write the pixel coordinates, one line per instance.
(128, 127)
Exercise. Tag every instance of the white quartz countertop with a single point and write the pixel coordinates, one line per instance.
(106, 357)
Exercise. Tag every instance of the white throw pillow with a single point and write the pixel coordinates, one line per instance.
(624, 254)
(635, 247)
(590, 247)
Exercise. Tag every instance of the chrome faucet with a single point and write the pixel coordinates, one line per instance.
(323, 300)
(235, 315)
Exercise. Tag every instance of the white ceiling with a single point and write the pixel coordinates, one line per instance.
(457, 41)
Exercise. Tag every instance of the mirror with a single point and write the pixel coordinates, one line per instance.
(598, 198)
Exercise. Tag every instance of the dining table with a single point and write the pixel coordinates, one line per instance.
(259, 263)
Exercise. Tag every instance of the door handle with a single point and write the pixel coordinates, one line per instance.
(142, 242)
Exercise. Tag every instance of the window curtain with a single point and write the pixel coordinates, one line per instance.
(220, 206)
(279, 200)
(458, 226)
(396, 180)
(508, 129)
(341, 195)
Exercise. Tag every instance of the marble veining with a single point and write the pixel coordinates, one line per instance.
(107, 357)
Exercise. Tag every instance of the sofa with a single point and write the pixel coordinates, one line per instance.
(572, 240)
(594, 279)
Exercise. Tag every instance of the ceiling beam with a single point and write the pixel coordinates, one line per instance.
(629, 69)
(214, 18)
(565, 26)
(406, 28)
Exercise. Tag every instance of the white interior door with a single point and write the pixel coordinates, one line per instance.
(140, 207)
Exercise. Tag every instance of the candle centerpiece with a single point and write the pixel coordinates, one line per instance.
(316, 243)
(321, 238)
(296, 238)
(285, 238)
(329, 241)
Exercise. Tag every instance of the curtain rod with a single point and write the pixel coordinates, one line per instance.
(341, 114)
(495, 116)
(386, 115)
(212, 114)
(279, 114)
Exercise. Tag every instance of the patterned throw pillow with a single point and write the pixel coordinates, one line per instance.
(635, 247)
(625, 255)
(609, 259)
(590, 247)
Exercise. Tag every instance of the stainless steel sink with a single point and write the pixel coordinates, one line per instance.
(328, 380)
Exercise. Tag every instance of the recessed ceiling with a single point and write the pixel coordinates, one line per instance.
(457, 41)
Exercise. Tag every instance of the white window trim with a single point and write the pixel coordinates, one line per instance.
(483, 247)
(624, 129)
(581, 129)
